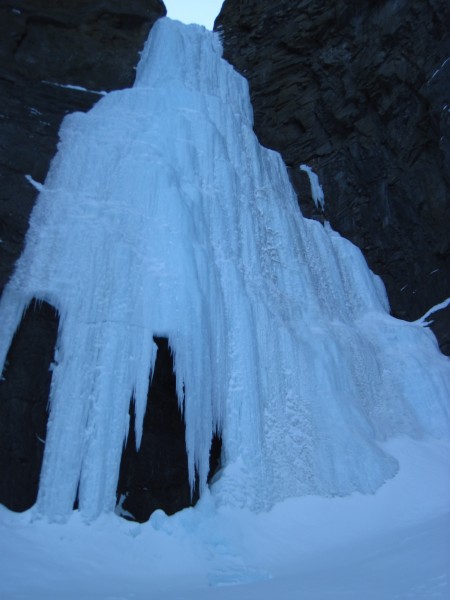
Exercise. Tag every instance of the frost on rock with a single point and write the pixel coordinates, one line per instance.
(162, 215)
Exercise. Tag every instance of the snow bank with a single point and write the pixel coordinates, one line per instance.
(393, 544)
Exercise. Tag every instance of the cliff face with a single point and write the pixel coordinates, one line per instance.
(361, 93)
(45, 48)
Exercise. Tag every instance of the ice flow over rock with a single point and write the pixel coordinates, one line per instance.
(162, 215)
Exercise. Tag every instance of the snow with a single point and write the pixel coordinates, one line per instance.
(316, 188)
(162, 215)
(390, 545)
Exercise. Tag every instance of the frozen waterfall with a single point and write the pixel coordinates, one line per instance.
(162, 215)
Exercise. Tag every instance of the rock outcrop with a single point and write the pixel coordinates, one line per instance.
(360, 92)
(55, 58)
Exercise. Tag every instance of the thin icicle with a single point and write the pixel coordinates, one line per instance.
(424, 318)
(316, 189)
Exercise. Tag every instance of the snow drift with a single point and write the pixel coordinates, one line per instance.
(162, 215)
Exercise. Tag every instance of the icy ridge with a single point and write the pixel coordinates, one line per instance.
(162, 215)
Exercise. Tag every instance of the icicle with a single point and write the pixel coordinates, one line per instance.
(423, 320)
(316, 188)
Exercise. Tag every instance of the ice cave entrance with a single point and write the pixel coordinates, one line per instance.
(155, 475)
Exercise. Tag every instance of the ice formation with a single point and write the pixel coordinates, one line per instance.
(316, 189)
(162, 214)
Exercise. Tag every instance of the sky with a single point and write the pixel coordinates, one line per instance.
(194, 11)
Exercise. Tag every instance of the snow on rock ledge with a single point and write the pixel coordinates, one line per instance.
(162, 215)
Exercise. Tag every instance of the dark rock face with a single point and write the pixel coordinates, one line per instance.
(24, 391)
(360, 91)
(46, 44)
(156, 475)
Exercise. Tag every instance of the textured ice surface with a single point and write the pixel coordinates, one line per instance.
(162, 215)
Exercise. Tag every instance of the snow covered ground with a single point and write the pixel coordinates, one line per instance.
(394, 544)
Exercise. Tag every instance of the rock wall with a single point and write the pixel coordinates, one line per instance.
(360, 91)
(24, 391)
